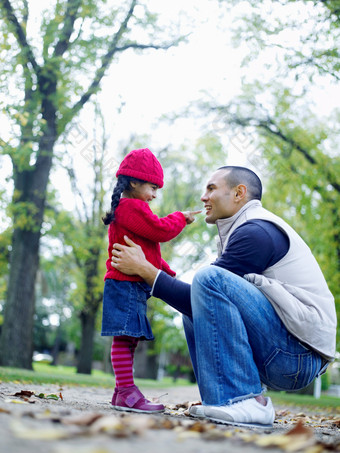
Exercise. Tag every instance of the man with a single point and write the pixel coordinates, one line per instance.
(260, 314)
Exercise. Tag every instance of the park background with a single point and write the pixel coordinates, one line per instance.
(83, 82)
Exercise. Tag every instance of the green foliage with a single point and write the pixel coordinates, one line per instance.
(303, 34)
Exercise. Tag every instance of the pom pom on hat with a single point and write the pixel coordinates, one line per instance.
(142, 164)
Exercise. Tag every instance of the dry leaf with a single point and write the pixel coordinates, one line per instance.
(188, 435)
(315, 449)
(15, 401)
(5, 411)
(81, 420)
(24, 394)
(299, 437)
(300, 429)
(23, 432)
(120, 427)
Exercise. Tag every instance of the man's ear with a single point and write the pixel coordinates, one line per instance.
(240, 192)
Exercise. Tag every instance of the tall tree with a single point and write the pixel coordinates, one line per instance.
(47, 82)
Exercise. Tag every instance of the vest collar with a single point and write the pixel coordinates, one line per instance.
(224, 225)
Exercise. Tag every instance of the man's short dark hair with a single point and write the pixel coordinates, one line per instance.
(242, 175)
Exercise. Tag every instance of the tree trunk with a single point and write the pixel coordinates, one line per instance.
(86, 346)
(56, 346)
(145, 365)
(16, 341)
(17, 330)
(89, 312)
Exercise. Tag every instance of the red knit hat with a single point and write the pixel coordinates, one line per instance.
(142, 164)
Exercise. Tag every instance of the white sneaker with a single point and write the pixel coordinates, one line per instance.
(197, 411)
(247, 412)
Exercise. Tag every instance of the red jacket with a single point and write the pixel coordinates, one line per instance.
(135, 219)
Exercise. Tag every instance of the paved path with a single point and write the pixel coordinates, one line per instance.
(83, 422)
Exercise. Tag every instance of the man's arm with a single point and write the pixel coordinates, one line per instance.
(253, 247)
(130, 259)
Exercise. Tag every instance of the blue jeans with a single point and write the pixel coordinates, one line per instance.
(237, 342)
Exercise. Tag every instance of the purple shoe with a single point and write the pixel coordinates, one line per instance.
(114, 397)
(131, 399)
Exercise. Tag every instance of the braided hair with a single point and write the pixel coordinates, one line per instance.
(123, 183)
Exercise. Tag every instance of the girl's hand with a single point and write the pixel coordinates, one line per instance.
(190, 216)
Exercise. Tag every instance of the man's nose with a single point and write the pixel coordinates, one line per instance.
(204, 197)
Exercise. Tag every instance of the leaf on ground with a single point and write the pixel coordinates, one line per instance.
(120, 427)
(86, 419)
(8, 400)
(52, 396)
(300, 437)
(4, 411)
(24, 394)
(24, 432)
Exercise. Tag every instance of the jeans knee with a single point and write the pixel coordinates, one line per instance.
(211, 276)
(204, 275)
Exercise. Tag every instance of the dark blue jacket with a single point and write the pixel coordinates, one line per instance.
(253, 247)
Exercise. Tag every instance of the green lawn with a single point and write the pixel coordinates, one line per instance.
(61, 375)
(305, 400)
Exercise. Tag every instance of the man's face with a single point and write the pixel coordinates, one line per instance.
(218, 198)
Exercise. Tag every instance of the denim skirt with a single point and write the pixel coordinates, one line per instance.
(124, 309)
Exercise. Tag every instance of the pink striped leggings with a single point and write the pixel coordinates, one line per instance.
(122, 354)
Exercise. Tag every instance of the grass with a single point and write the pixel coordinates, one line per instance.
(62, 375)
(295, 399)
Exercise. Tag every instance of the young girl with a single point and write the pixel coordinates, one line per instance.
(139, 175)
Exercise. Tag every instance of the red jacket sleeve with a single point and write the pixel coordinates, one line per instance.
(166, 268)
(139, 219)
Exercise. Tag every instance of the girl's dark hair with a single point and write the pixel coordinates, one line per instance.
(123, 183)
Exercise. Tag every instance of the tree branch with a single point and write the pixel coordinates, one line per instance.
(148, 46)
(68, 28)
(106, 60)
(77, 191)
(19, 33)
(273, 129)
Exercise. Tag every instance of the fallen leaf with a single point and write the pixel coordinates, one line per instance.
(5, 411)
(315, 449)
(120, 427)
(300, 429)
(188, 435)
(23, 432)
(24, 394)
(52, 396)
(15, 401)
(82, 420)
(299, 437)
